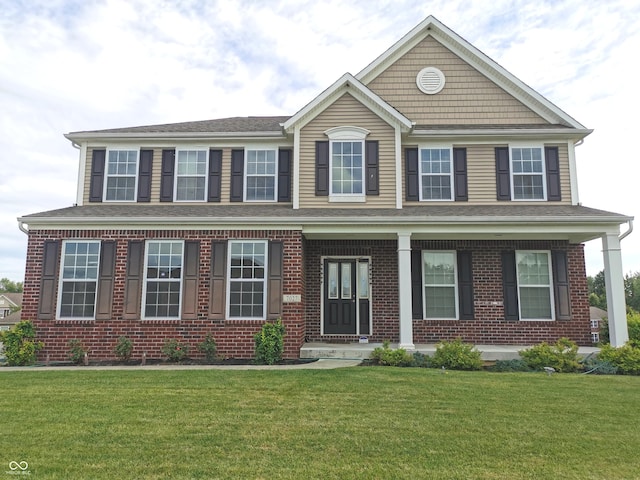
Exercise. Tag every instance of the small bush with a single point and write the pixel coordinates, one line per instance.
(625, 358)
(209, 348)
(515, 365)
(392, 358)
(562, 356)
(457, 355)
(124, 348)
(19, 347)
(270, 343)
(174, 350)
(76, 351)
(421, 360)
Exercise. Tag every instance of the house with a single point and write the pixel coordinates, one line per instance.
(10, 304)
(431, 196)
(597, 315)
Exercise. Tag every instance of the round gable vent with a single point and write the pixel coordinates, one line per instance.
(430, 80)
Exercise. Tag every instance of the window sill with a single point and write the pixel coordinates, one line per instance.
(347, 198)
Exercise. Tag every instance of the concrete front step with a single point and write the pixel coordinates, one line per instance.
(361, 351)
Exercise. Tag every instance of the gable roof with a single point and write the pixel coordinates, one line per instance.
(431, 26)
(348, 84)
(15, 299)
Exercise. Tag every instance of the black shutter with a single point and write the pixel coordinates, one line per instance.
(510, 285)
(49, 279)
(144, 175)
(460, 174)
(237, 175)
(133, 282)
(503, 174)
(166, 180)
(465, 285)
(417, 311)
(284, 174)
(552, 161)
(412, 175)
(275, 280)
(104, 295)
(190, 280)
(561, 291)
(217, 299)
(372, 172)
(97, 175)
(215, 175)
(322, 168)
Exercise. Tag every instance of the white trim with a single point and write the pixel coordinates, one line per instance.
(145, 280)
(347, 198)
(573, 173)
(405, 307)
(543, 174)
(549, 286)
(106, 176)
(62, 280)
(296, 168)
(356, 196)
(228, 279)
(421, 174)
(455, 284)
(206, 173)
(347, 132)
(260, 148)
(398, 159)
(82, 173)
(614, 286)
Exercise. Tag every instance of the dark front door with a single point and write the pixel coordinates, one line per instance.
(340, 312)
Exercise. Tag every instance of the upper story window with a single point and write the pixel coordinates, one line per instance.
(191, 175)
(121, 176)
(261, 175)
(436, 173)
(528, 173)
(78, 279)
(347, 155)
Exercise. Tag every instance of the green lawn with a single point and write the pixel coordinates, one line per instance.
(370, 423)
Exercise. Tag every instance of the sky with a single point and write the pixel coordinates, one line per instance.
(70, 65)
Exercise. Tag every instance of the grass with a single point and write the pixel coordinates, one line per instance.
(337, 424)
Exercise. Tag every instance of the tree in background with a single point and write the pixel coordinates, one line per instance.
(598, 293)
(8, 286)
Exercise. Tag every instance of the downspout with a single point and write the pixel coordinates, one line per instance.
(21, 227)
(629, 230)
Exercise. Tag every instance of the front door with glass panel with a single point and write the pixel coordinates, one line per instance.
(346, 297)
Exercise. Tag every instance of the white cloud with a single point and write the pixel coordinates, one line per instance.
(71, 65)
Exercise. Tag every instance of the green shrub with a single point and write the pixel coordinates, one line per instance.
(76, 351)
(625, 358)
(515, 365)
(270, 343)
(562, 356)
(421, 360)
(19, 347)
(457, 355)
(174, 350)
(633, 326)
(392, 358)
(124, 348)
(209, 348)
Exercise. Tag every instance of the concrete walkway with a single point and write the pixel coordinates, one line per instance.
(322, 364)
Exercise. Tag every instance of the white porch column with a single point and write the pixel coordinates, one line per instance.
(613, 279)
(404, 291)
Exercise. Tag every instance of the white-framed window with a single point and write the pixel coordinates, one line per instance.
(121, 180)
(535, 285)
(436, 173)
(261, 175)
(346, 163)
(78, 279)
(440, 277)
(595, 337)
(247, 279)
(162, 287)
(528, 177)
(191, 175)
(595, 323)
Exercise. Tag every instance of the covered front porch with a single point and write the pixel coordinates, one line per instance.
(362, 351)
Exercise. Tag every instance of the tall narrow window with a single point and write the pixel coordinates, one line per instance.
(534, 285)
(440, 285)
(261, 175)
(436, 174)
(527, 173)
(163, 279)
(79, 279)
(121, 176)
(247, 279)
(347, 170)
(191, 175)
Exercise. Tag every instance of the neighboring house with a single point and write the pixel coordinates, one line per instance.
(597, 315)
(10, 304)
(431, 196)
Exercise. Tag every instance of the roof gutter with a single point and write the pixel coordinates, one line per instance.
(629, 230)
(21, 227)
(170, 135)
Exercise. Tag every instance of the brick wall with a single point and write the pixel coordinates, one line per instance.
(234, 337)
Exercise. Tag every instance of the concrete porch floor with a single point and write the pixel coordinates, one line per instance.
(361, 351)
